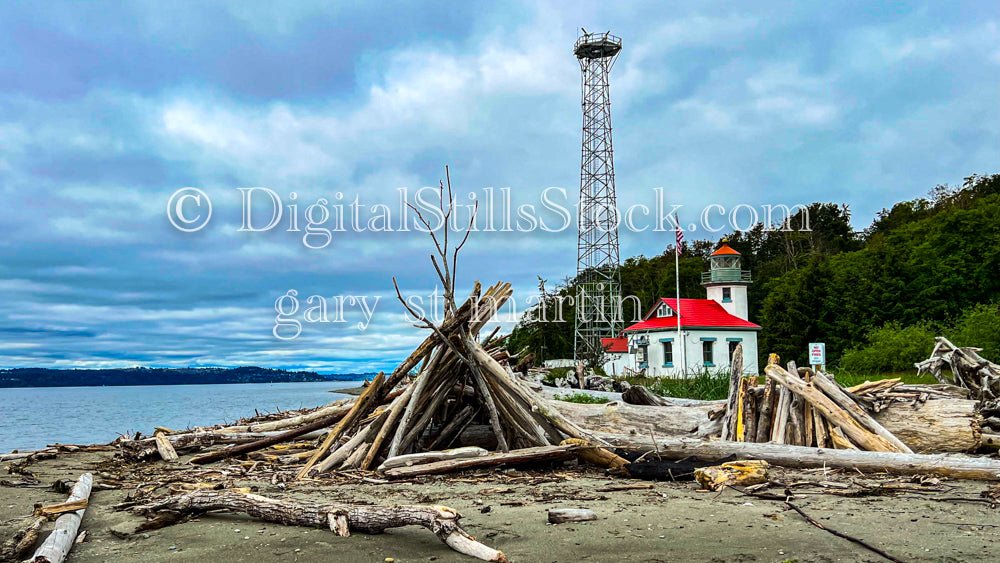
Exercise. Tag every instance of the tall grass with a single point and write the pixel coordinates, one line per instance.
(851, 379)
(583, 398)
(705, 386)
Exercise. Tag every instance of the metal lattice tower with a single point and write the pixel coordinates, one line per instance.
(597, 309)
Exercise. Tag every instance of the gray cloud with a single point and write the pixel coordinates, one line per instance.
(105, 112)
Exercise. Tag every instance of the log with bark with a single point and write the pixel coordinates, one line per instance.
(23, 540)
(342, 519)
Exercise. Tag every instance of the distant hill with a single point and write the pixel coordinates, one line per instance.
(44, 377)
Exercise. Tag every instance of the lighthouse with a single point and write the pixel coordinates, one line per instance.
(726, 283)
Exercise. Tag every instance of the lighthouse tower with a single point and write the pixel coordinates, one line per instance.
(726, 283)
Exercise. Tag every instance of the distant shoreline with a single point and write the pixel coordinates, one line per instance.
(46, 377)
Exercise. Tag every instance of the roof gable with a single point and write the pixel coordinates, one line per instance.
(694, 313)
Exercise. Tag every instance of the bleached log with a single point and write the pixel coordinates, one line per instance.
(362, 407)
(146, 447)
(780, 425)
(766, 417)
(343, 452)
(429, 457)
(830, 388)
(166, 451)
(563, 515)
(340, 406)
(829, 410)
(442, 521)
(619, 417)
(56, 546)
(940, 425)
(946, 465)
(513, 457)
(729, 421)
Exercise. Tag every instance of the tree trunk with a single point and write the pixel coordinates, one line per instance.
(340, 518)
(938, 425)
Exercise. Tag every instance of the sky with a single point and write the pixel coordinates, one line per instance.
(107, 110)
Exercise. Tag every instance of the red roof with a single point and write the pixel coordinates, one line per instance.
(725, 250)
(615, 345)
(695, 313)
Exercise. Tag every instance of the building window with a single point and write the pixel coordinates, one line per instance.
(668, 354)
(664, 311)
(706, 352)
(732, 348)
(727, 295)
(643, 355)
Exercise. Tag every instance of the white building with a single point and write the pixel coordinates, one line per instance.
(709, 328)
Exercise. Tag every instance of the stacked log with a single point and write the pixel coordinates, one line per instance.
(968, 369)
(800, 407)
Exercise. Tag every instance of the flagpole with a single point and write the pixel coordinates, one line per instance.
(677, 279)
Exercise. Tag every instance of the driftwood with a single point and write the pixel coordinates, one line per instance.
(835, 393)
(730, 420)
(969, 370)
(946, 465)
(526, 455)
(146, 448)
(941, 425)
(563, 515)
(23, 541)
(595, 455)
(163, 447)
(766, 412)
(339, 518)
(781, 411)
(340, 406)
(430, 457)
(639, 395)
(751, 410)
(829, 410)
(57, 545)
(359, 410)
(265, 442)
(618, 417)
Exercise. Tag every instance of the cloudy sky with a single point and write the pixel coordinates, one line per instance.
(107, 109)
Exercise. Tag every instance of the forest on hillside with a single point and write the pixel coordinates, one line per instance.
(877, 297)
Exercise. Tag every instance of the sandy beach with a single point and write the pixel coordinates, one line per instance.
(506, 509)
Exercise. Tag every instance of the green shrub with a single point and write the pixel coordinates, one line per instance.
(979, 327)
(584, 398)
(890, 348)
(555, 374)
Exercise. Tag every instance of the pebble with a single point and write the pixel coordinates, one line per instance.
(172, 547)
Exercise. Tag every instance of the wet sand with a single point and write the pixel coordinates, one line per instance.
(506, 509)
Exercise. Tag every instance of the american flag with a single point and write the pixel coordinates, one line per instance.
(680, 235)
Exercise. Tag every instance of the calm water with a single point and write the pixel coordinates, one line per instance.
(34, 417)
